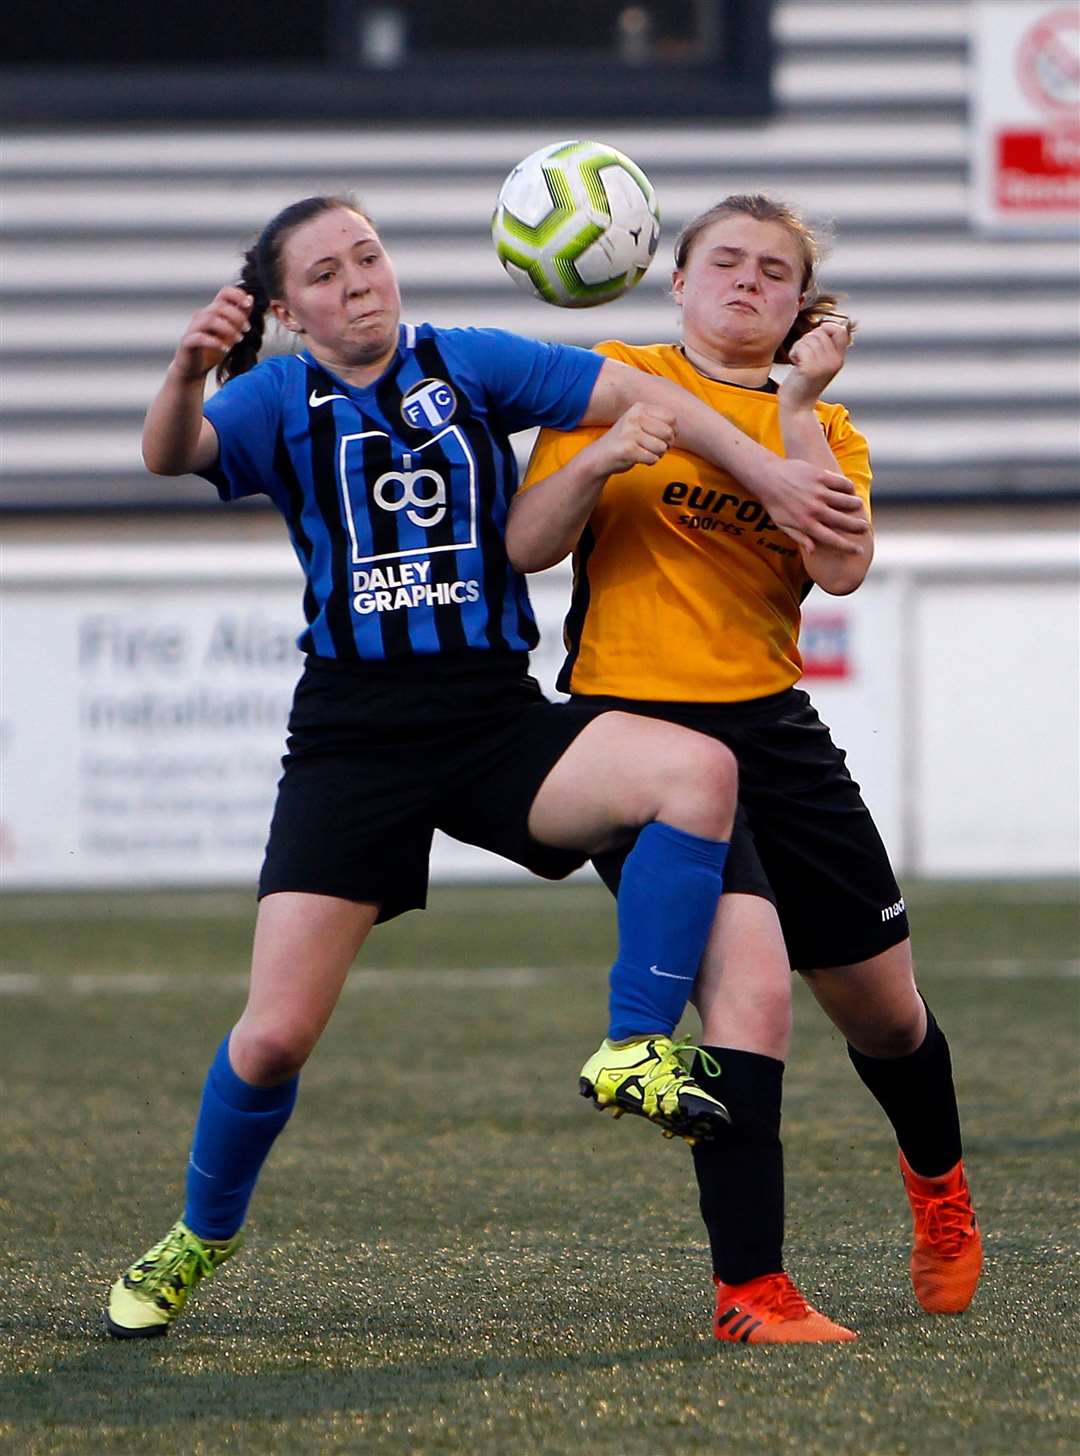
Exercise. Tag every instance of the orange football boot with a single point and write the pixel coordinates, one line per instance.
(947, 1254)
(769, 1310)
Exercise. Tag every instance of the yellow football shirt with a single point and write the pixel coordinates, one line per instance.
(684, 589)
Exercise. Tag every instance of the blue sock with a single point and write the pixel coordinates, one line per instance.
(668, 894)
(235, 1130)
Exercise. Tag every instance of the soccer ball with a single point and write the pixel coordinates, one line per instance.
(576, 224)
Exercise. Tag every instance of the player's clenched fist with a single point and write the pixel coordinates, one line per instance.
(212, 332)
(639, 437)
(817, 358)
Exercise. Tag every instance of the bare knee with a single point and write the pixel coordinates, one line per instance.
(266, 1053)
(759, 1022)
(696, 787)
(889, 1039)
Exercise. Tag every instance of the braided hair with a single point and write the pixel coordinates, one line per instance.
(818, 307)
(260, 276)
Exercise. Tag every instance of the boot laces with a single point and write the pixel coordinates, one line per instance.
(780, 1296)
(944, 1221)
(176, 1253)
(672, 1067)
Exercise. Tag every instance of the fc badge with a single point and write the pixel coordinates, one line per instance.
(430, 403)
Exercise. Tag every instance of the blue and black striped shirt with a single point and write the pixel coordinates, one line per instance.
(396, 494)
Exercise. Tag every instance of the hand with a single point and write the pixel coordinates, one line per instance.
(817, 358)
(815, 507)
(212, 332)
(639, 437)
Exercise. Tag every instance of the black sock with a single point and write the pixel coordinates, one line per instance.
(917, 1095)
(740, 1174)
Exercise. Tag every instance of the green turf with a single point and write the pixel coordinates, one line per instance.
(451, 1253)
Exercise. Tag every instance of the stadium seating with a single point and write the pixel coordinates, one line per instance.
(964, 375)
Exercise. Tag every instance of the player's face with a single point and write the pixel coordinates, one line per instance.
(340, 291)
(740, 290)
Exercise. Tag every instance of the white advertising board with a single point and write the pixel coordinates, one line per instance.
(1026, 115)
(144, 695)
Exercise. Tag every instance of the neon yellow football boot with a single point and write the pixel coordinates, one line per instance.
(153, 1291)
(650, 1076)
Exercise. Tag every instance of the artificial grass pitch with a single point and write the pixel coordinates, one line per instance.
(450, 1251)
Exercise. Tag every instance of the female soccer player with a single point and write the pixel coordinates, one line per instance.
(385, 447)
(686, 607)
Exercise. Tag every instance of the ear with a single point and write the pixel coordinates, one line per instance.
(280, 309)
(677, 281)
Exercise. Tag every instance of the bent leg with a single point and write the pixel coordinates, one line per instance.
(304, 946)
(899, 1052)
(901, 1055)
(624, 771)
(621, 773)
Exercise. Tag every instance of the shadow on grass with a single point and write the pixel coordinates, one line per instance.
(131, 1385)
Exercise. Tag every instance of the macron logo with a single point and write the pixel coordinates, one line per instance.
(892, 911)
(315, 398)
(669, 975)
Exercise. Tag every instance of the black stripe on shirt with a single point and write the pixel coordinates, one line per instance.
(490, 539)
(323, 432)
(294, 515)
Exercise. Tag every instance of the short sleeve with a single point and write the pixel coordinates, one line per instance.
(246, 415)
(852, 451)
(555, 448)
(529, 382)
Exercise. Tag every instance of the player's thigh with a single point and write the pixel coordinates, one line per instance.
(353, 825)
(490, 775)
(874, 1003)
(743, 989)
(623, 771)
(304, 946)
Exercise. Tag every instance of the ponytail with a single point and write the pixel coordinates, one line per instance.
(261, 276)
(245, 354)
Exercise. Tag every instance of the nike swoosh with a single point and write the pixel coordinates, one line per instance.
(669, 976)
(315, 399)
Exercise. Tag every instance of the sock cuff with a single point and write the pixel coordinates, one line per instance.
(657, 835)
(932, 1047)
(245, 1096)
(750, 1085)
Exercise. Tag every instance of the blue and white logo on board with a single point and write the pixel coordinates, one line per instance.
(429, 404)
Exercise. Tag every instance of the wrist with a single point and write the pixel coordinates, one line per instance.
(592, 467)
(795, 409)
(184, 376)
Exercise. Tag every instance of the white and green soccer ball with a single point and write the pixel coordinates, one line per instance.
(576, 224)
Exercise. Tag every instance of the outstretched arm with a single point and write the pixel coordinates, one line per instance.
(815, 506)
(176, 437)
(817, 358)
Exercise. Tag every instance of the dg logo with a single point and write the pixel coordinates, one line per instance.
(430, 403)
(421, 494)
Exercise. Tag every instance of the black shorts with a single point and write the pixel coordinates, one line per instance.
(803, 837)
(381, 755)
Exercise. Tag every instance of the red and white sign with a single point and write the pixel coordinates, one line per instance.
(1026, 109)
(825, 645)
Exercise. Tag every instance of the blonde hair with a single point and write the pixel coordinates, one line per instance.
(818, 307)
